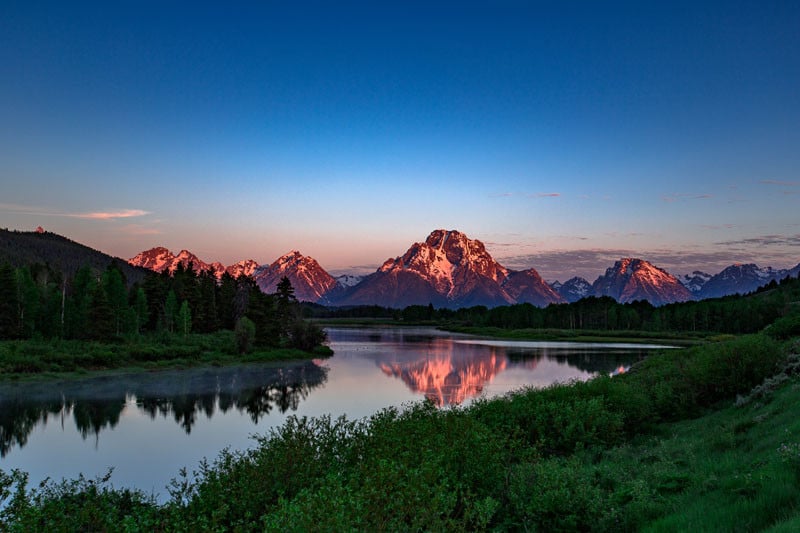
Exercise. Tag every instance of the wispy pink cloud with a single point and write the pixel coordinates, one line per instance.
(109, 215)
(545, 195)
(96, 215)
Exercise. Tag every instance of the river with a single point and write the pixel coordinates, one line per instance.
(147, 426)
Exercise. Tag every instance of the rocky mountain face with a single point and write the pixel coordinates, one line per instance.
(573, 289)
(310, 281)
(695, 281)
(741, 279)
(349, 280)
(451, 270)
(242, 268)
(635, 279)
(161, 259)
(448, 270)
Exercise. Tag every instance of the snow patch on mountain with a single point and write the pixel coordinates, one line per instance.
(349, 280)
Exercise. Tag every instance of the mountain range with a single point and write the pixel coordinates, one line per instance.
(449, 269)
(735, 279)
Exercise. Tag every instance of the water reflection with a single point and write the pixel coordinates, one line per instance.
(97, 404)
(451, 369)
(443, 377)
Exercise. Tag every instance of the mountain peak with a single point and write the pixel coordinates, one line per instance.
(448, 269)
(633, 279)
(310, 281)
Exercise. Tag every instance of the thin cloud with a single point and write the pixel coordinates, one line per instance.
(764, 240)
(29, 210)
(718, 226)
(97, 215)
(526, 195)
(781, 182)
(110, 215)
(591, 263)
(669, 198)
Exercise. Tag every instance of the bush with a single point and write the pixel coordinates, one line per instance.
(555, 495)
(785, 328)
(245, 334)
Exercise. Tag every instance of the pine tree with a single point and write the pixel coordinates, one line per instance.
(285, 303)
(29, 302)
(9, 303)
(101, 316)
(117, 295)
(141, 310)
(77, 306)
(170, 311)
(225, 302)
(184, 319)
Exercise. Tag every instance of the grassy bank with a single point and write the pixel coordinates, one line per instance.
(573, 335)
(42, 359)
(705, 438)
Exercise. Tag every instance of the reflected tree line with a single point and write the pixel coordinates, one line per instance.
(96, 405)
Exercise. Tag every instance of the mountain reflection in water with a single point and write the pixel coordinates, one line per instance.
(97, 403)
(449, 370)
(444, 378)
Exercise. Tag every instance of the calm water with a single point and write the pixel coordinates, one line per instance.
(148, 426)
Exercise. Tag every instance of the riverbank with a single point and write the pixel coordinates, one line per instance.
(583, 335)
(26, 360)
(544, 334)
(703, 438)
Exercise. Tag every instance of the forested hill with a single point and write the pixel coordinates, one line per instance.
(23, 248)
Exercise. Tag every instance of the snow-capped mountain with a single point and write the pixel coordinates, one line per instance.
(573, 289)
(247, 268)
(349, 280)
(741, 279)
(160, 259)
(695, 281)
(310, 281)
(448, 270)
(635, 279)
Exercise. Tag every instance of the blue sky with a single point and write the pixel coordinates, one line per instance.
(564, 135)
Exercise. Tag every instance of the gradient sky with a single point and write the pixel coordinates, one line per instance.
(564, 135)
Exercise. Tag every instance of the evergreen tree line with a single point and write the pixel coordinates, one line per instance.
(731, 314)
(39, 302)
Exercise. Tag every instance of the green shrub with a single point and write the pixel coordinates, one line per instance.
(785, 328)
(555, 495)
(245, 334)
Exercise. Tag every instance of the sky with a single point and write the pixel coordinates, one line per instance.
(564, 135)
